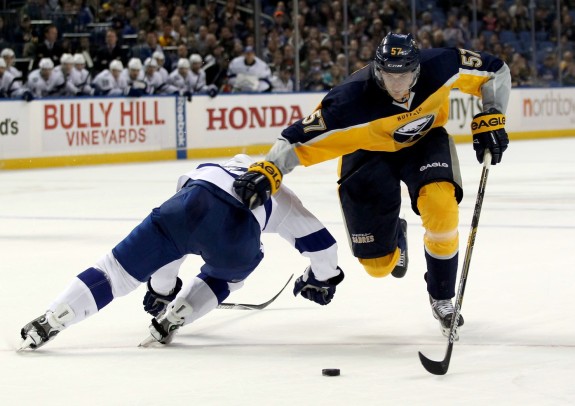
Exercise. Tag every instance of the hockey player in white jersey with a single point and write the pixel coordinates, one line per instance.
(248, 73)
(43, 82)
(134, 77)
(161, 60)
(10, 57)
(154, 80)
(199, 77)
(10, 86)
(205, 217)
(83, 79)
(66, 73)
(181, 78)
(110, 82)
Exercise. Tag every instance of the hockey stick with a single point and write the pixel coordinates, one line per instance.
(244, 306)
(441, 367)
(241, 306)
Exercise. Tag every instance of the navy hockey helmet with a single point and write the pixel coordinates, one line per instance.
(397, 54)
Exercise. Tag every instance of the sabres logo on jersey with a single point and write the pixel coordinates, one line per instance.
(413, 130)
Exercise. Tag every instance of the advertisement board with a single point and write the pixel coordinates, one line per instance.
(117, 129)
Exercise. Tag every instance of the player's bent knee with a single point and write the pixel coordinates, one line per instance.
(440, 217)
(380, 267)
(438, 207)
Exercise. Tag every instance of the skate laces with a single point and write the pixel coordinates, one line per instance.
(443, 307)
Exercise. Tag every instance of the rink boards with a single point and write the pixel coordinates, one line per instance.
(93, 130)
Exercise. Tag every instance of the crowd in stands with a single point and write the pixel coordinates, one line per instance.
(76, 47)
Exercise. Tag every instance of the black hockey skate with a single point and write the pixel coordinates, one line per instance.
(44, 328)
(164, 328)
(401, 266)
(444, 311)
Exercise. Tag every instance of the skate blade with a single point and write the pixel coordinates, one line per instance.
(148, 342)
(26, 343)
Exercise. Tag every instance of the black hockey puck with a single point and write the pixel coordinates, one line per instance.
(330, 372)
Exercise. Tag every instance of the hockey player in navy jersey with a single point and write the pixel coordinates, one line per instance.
(205, 218)
(386, 122)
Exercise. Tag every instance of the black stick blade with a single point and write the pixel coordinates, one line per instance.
(434, 367)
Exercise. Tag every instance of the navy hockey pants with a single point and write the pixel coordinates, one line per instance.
(200, 219)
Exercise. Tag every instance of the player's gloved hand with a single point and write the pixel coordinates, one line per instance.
(317, 291)
(488, 129)
(255, 187)
(212, 91)
(154, 303)
(27, 96)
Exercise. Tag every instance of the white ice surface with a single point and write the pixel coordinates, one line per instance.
(517, 346)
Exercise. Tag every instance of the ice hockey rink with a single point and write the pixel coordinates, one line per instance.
(517, 346)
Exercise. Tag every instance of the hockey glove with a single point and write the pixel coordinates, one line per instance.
(256, 186)
(212, 91)
(489, 133)
(320, 292)
(154, 303)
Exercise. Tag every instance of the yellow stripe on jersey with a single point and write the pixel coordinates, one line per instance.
(377, 135)
(470, 82)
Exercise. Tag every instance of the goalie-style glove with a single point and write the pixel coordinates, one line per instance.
(488, 129)
(154, 303)
(320, 292)
(255, 187)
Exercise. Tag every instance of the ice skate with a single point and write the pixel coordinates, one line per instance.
(401, 266)
(44, 328)
(444, 311)
(164, 328)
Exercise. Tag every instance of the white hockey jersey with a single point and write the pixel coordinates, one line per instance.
(15, 72)
(157, 85)
(41, 88)
(83, 81)
(8, 84)
(105, 83)
(181, 83)
(283, 214)
(69, 79)
(249, 78)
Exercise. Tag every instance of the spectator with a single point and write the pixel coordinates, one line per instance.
(167, 37)
(110, 51)
(548, 71)
(566, 61)
(248, 73)
(5, 34)
(49, 48)
(147, 49)
(520, 73)
(569, 75)
(109, 82)
(282, 81)
(25, 38)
